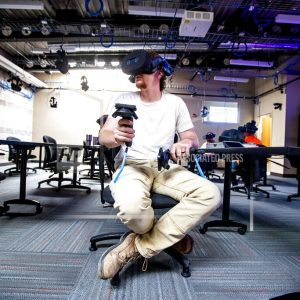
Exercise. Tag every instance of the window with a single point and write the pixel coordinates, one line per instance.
(222, 112)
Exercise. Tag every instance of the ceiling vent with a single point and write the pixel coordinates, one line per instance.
(195, 23)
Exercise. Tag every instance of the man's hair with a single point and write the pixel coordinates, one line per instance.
(162, 83)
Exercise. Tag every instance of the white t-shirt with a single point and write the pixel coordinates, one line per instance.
(156, 125)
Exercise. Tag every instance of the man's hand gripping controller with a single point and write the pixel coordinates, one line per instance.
(125, 111)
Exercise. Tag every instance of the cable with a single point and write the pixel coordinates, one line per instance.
(96, 13)
(199, 168)
(122, 165)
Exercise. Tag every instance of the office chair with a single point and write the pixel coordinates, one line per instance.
(250, 170)
(86, 159)
(15, 156)
(158, 202)
(208, 165)
(2, 175)
(53, 162)
(264, 177)
(295, 162)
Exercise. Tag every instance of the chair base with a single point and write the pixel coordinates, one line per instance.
(289, 198)
(247, 191)
(266, 185)
(224, 223)
(115, 281)
(14, 170)
(57, 179)
(38, 207)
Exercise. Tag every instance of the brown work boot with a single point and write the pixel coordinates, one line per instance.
(185, 245)
(117, 256)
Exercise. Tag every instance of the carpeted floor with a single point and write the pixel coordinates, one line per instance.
(47, 256)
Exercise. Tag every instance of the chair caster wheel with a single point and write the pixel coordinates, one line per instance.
(93, 248)
(241, 231)
(88, 191)
(203, 230)
(186, 272)
(39, 210)
(115, 281)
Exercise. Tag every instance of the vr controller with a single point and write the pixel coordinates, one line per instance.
(163, 158)
(141, 62)
(125, 111)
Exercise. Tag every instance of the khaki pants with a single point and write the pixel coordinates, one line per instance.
(197, 199)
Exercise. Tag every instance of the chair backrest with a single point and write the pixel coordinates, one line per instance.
(12, 152)
(87, 154)
(50, 150)
(231, 135)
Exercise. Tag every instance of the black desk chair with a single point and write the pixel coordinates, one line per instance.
(208, 166)
(158, 202)
(15, 156)
(250, 170)
(86, 159)
(2, 175)
(295, 162)
(264, 176)
(53, 162)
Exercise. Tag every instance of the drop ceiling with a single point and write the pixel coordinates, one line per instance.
(95, 30)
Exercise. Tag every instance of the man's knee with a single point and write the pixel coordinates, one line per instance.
(214, 195)
(137, 218)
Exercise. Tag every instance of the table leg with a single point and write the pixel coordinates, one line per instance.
(225, 222)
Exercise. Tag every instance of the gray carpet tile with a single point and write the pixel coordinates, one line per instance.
(27, 275)
(241, 278)
(47, 256)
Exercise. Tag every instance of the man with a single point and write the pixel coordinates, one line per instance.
(209, 137)
(160, 116)
(249, 130)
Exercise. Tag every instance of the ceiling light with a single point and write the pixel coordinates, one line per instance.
(6, 30)
(144, 29)
(231, 79)
(99, 63)
(45, 29)
(25, 76)
(199, 60)
(43, 63)
(287, 19)
(26, 30)
(163, 28)
(185, 61)
(73, 64)
(252, 63)
(115, 63)
(152, 11)
(22, 4)
(29, 64)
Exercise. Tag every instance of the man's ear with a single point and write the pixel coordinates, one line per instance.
(160, 74)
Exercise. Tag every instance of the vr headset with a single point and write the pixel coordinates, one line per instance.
(209, 135)
(141, 62)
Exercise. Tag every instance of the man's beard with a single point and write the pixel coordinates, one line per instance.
(140, 85)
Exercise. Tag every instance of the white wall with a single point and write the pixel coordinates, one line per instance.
(16, 113)
(280, 122)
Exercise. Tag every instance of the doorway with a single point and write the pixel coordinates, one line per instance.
(266, 129)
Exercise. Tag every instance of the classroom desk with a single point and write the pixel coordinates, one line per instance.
(23, 147)
(227, 153)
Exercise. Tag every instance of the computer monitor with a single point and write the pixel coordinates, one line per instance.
(230, 144)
